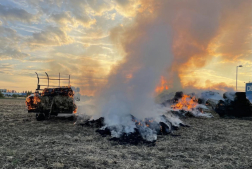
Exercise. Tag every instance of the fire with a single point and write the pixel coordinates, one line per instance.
(32, 100)
(36, 99)
(27, 102)
(163, 85)
(75, 111)
(186, 103)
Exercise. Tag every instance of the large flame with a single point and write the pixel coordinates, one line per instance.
(186, 103)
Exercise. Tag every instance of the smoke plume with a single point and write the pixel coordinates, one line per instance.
(166, 39)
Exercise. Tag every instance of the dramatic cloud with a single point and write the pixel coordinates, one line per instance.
(51, 36)
(10, 44)
(10, 14)
(81, 15)
(65, 18)
(209, 85)
(205, 40)
(128, 8)
(98, 7)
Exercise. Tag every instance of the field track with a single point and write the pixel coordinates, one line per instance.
(58, 143)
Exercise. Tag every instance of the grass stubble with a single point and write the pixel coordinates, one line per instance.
(58, 143)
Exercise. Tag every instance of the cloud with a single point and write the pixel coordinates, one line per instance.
(8, 14)
(37, 60)
(128, 8)
(10, 44)
(51, 36)
(6, 68)
(98, 7)
(65, 19)
(209, 85)
(9, 52)
(86, 72)
(78, 9)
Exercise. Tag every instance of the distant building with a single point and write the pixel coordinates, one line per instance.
(7, 92)
(3, 90)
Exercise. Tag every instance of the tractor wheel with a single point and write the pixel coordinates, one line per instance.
(40, 116)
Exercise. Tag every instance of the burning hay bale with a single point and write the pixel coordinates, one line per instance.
(235, 105)
(51, 101)
(187, 105)
(126, 128)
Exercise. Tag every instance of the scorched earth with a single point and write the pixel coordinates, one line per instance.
(58, 143)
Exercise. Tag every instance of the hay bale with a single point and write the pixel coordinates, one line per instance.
(235, 104)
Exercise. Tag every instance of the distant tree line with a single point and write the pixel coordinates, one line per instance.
(27, 91)
(16, 95)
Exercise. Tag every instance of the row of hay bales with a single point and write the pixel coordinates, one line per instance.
(234, 104)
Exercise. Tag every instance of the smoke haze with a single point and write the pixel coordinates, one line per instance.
(167, 38)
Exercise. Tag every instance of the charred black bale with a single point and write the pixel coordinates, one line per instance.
(95, 123)
(200, 101)
(238, 106)
(178, 95)
(104, 133)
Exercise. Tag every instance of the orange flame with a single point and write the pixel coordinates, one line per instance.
(186, 103)
(36, 99)
(75, 111)
(31, 101)
(162, 85)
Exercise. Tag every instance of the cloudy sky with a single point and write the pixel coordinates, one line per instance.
(78, 37)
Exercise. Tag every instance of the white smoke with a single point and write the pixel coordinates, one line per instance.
(230, 95)
(121, 97)
(179, 28)
(210, 95)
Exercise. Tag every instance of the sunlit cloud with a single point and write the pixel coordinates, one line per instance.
(85, 39)
(51, 36)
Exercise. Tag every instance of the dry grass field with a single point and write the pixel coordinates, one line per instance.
(58, 143)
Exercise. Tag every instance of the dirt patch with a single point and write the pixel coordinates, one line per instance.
(58, 143)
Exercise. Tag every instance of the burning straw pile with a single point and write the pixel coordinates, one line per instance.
(145, 131)
(187, 105)
(136, 131)
(133, 130)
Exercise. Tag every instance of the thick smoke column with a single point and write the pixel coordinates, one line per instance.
(131, 84)
(165, 37)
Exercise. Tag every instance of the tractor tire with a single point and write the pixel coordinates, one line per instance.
(40, 116)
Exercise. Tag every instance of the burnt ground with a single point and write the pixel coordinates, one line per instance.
(58, 143)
